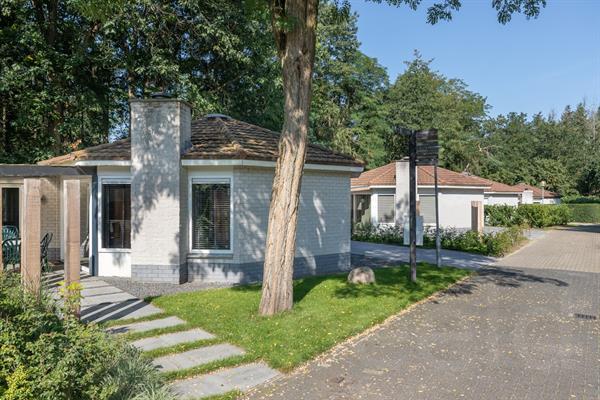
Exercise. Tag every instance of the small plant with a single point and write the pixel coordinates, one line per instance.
(71, 296)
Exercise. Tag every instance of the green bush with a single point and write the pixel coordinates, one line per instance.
(45, 356)
(581, 199)
(585, 212)
(533, 215)
(493, 244)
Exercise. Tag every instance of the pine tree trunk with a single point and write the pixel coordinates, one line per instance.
(295, 39)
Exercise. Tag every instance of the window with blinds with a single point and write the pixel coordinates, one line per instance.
(385, 208)
(211, 216)
(427, 208)
(116, 216)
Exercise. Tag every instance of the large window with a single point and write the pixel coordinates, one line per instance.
(116, 216)
(211, 215)
(385, 208)
(10, 207)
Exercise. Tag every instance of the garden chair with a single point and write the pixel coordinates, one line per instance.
(44, 244)
(11, 252)
(10, 232)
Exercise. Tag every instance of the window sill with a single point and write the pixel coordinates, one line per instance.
(194, 254)
(114, 250)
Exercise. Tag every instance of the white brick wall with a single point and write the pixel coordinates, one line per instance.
(160, 130)
(323, 219)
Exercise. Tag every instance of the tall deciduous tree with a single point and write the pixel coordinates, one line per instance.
(294, 28)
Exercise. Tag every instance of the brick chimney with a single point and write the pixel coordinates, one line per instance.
(160, 134)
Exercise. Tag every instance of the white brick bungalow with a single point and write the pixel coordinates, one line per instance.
(187, 200)
(380, 196)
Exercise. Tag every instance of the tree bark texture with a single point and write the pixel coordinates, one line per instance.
(294, 26)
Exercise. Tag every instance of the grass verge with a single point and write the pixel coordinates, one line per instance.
(326, 311)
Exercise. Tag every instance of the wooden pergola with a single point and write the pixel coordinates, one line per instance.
(31, 268)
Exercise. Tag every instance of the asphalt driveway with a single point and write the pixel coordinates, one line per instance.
(526, 328)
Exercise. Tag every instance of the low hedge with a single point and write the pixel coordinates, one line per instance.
(581, 199)
(582, 212)
(533, 215)
(46, 356)
(492, 244)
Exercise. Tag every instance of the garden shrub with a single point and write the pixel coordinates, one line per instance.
(533, 215)
(493, 244)
(581, 199)
(581, 212)
(45, 356)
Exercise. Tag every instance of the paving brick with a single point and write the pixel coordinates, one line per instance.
(171, 339)
(196, 357)
(239, 378)
(146, 325)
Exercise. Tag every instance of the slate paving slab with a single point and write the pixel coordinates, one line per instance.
(128, 309)
(146, 325)
(196, 357)
(171, 339)
(241, 378)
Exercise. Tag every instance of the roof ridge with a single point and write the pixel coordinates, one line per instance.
(238, 148)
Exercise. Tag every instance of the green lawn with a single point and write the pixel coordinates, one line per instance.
(326, 311)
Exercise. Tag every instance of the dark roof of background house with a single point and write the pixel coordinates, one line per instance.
(386, 176)
(213, 138)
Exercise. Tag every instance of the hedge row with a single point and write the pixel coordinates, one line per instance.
(585, 212)
(493, 244)
(533, 215)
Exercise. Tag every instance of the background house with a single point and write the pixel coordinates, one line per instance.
(187, 200)
(380, 196)
(538, 196)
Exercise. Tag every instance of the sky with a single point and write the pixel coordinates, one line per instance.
(536, 65)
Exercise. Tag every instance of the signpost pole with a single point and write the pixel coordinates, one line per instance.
(412, 150)
(438, 242)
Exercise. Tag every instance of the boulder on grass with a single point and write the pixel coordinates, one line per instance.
(361, 275)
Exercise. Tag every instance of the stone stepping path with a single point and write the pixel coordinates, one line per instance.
(196, 357)
(146, 325)
(240, 378)
(172, 339)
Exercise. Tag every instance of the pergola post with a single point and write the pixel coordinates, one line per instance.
(72, 230)
(477, 216)
(31, 270)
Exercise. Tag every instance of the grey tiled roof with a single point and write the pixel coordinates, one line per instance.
(216, 138)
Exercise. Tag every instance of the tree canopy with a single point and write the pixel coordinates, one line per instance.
(67, 70)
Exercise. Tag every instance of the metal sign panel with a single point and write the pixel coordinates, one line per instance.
(427, 147)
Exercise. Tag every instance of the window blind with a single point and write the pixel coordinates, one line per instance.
(385, 208)
(211, 216)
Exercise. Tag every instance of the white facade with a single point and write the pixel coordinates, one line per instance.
(498, 198)
(454, 204)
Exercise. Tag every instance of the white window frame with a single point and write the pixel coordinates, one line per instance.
(109, 180)
(203, 178)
